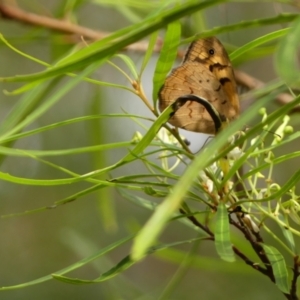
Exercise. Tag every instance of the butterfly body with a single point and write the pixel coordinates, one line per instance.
(206, 72)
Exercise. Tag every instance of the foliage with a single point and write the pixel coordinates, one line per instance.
(178, 185)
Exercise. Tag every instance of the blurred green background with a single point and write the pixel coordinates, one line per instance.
(39, 244)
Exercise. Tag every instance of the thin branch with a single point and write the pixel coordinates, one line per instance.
(256, 247)
(296, 273)
(263, 257)
(211, 237)
(251, 83)
(15, 13)
(197, 223)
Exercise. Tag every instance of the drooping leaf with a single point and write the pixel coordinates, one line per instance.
(222, 234)
(166, 58)
(286, 56)
(279, 267)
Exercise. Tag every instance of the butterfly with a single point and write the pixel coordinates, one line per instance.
(206, 73)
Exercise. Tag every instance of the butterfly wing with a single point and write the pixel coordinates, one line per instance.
(192, 116)
(206, 72)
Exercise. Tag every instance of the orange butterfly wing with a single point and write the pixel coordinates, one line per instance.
(206, 71)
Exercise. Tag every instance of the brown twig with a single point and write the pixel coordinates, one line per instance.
(13, 12)
(251, 83)
(268, 270)
(296, 273)
(197, 223)
(248, 261)
(256, 247)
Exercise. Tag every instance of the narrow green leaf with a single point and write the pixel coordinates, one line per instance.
(108, 46)
(26, 104)
(284, 109)
(22, 53)
(205, 263)
(279, 19)
(68, 122)
(166, 58)
(17, 120)
(149, 52)
(71, 267)
(258, 42)
(279, 267)
(124, 264)
(130, 64)
(72, 151)
(222, 234)
(255, 54)
(36, 182)
(286, 56)
(149, 136)
(133, 155)
(287, 233)
(148, 234)
(131, 14)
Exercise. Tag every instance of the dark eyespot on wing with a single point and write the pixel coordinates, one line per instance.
(224, 80)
